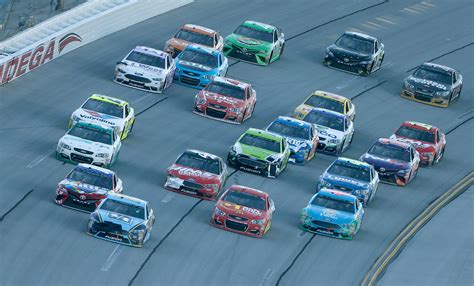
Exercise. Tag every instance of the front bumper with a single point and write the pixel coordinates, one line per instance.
(74, 157)
(350, 66)
(191, 78)
(139, 82)
(74, 201)
(113, 232)
(330, 231)
(252, 165)
(424, 98)
(218, 114)
(189, 188)
(241, 227)
(392, 178)
(248, 55)
(298, 158)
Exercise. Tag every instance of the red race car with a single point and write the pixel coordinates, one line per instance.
(428, 140)
(198, 174)
(244, 210)
(226, 100)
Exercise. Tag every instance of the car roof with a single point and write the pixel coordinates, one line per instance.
(109, 99)
(264, 134)
(203, 49)
(248, 190)
(199, 29)
(150, 51)
(338, 195)
(127, 199)
(259, 25)
(95, 168)
(326, 111)
(360, 35)
(387, 141)
(292, 121)
(231, 81)
(202, 154)
(438, 67)
(353, 162)
(420, 126)
(329, 95)
(95, 126)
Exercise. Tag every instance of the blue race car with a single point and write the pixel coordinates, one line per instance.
(122, 219)
(196, 66)
(301, 136)
(332, 213)
(351, 176)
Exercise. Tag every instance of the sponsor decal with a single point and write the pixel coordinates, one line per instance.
(121, 217)
(67, 39)
(191, 172)
(329, 213)
(252, 211)
(98, 116)
(429, 83)
(113, 237)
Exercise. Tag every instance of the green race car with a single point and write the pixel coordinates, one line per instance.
(255, 42)
(261, 152)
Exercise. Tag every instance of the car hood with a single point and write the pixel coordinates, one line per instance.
(194, 66)
(127, 222)
(327, 132)
(427, 85)
(254, 152)
(297, 144)
(419, 145)
(386, 163)
(344, 53)
(241, 211)
(191, 174)
(82, 188)
(143, 70)
(247, 42)
(97, 117)
(85, 144)
(222, 99)
(329, 215)
(345, 181)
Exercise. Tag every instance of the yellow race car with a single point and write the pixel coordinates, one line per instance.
(326, 100)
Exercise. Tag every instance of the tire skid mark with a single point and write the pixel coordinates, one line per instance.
(368, 89)
(16, 204)
(161, 100)
(445, 54)
(459, 124)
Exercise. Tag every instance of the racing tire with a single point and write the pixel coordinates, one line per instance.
(253, 108)
(243, 116)
(271, 56)
(282, 49)
(339, 152)
(381, 61)
(439, 157)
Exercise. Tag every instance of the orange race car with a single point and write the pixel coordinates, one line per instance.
(193, 34)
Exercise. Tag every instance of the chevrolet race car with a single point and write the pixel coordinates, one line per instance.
(396, 162)
(255, 42)
(196, 66)
(335, 130)
(193, 34)
(351, 176)
(301, 136)
(89, 143)
(122, 219)
(332, 213)
(261, 152)
(226, 100)
(197, 174)
(329, 101)
(356, 53)
(147, 69)
(85, 186)
(106, 110)
(433, 84)
(428, 140)
(244, 210)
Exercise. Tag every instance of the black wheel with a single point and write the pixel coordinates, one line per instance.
(253, 109)
(271, 56)
(339, 152)
(282, 49)
(381, 61)
(439, 157)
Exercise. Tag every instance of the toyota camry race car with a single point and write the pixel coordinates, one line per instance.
(106, 110)
(226, 100)
(196, 66)
(193, 34)
(329, 101)
(122, 219)
(333, 213)
(351, 176)
(197, 174)
(85, 186)
(428, 140)
(433, 84)
(244, 210)
(356, 53)
(396, 162)
(301, 136)
(255, 43)
(261, 152)
(89, 143)
(147, 69)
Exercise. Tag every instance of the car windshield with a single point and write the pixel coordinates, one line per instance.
(103, 107)
(254, 34)
(325, 119)
(416, 134)
(226, 89)
(390, 151)
(261, 142)
(356, 44)
(199, 162)
(123, 208)
(194, 37)
(300, 132)
(246, 200)
(326, 103)
(197, 57)
(351, 171)
(334, 204)
(91, 177)
(147, 59)
(433, 75)
(91, 134)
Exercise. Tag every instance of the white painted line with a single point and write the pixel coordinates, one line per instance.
(113, 256)
(167, 198)
(428, 4)
(40, 158)
(465, 113)
(382, 19)
(265, 278)
(302, 233)
(410, 11)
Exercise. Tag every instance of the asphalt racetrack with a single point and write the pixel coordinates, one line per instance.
(44, 244)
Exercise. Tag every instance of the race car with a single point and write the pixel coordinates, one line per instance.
(196, 66)
(335, 130)
(433, 84)
(332, 213)
(329, 101)
(396, 162)
(85, 186)
(122, 219)
(106, 110)
(244, 210)
(355, 53)
(351, 176)
(193, 34)
(226, 100)
(198, 174)
(89, 143)
(261, 152)
(301, 136)
(146, 69)
(428, 140)
(255, 42)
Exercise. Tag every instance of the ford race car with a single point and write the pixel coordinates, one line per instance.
(85, 186)
(89, 143)
(255, 43)
(197, 174)
(244, 210)
(193, 34)
(301, 136)
(356, 53)
(122, 219)
(433, 84)
(261, 152)
(196, 66)
(351, 176)
(226, 100)
(332, 213)
(396, 162)
(428, 140)
(107, 111)
(329, 101)
(147, 69)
